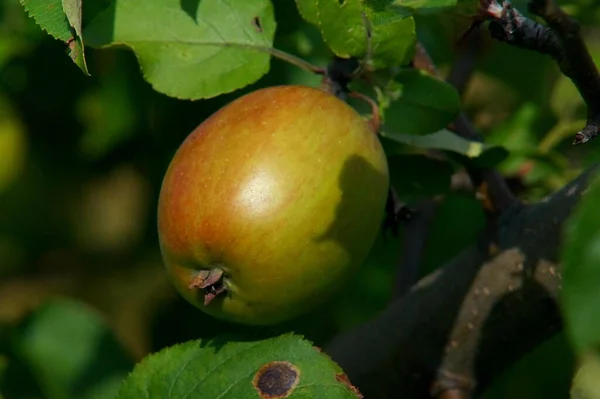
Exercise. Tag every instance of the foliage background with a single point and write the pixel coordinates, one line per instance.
(81, 163)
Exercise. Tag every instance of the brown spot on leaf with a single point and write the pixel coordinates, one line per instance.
(343, 378)
(257, 24)
(276, 380)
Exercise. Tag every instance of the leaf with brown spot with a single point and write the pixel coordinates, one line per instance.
(276, 380)
(286, 366)
(343, 378)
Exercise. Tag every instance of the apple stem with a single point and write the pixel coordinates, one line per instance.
(297, 61)
(211, 281)
(375, 122)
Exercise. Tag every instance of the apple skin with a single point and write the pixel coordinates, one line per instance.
(284, 190)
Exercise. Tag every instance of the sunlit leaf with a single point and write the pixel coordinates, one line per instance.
(442, 140)
(309, 10)
(345, 26)
(284, 366)
(61, 23)
(224, 46)
(586, 382)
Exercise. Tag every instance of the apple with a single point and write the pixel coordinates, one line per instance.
(271, 203)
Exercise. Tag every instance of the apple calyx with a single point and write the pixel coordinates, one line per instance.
(211, 281)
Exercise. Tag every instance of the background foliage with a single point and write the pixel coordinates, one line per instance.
(82, 158)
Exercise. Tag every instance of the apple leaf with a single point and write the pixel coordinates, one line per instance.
(441, 140)
(308, 10)
(92, 363)
(586, 384)
(283, 366)
(581, 275)
(417, 103)
(61, 20)
(224, 46)
(344, 29)
(411, 7)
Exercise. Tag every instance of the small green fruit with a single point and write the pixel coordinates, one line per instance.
(271, 203)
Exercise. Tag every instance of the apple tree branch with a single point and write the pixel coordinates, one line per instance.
(561, 39)
(459, 327)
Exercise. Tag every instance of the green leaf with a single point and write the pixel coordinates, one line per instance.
(586, 384)
(73, 12)
(72, 352)
(62, 24)
(223, 47)
(442, 140)
(412, 7)
(418, 103)
(49, 15)
(580, 297)
(308, 10)
(284, 365)
(343, 28)
(415, 176)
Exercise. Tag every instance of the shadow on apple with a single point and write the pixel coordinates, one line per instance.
(355, 225)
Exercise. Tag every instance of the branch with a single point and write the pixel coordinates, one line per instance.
(501, 196)
(561, 40)
(460, 326)
(414, 238)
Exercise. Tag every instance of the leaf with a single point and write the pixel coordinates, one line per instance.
(342, 26)
(580, 297)
(72, 352)
(226, 369)
(442, 140)
(412, 7)
(418, 103)
(51, 17)
(222, 48)
(308, 10)
(72, 9)
(586, 384)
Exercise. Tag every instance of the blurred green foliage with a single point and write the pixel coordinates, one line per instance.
(82, 159)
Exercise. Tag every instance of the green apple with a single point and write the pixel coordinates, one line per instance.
(271, 204)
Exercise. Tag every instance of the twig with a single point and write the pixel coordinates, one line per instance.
(561, 40)
(463, 67)
(459, 327)
(501, 196)
(415, 233)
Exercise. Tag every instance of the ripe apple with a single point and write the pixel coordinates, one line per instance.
(271, 203)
